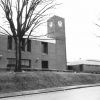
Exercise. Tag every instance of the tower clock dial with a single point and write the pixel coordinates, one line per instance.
(50, 24)
(60, 23)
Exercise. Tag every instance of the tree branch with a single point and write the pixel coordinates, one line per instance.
(5, 30)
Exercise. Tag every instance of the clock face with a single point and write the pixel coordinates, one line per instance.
(60, 23)
(50, 24)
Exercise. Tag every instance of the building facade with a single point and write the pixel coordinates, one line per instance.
(38, 54)
(88, 66)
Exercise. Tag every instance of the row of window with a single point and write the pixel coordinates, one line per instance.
(44, 45)
(79, 68)
(10, 45)
(25, 63)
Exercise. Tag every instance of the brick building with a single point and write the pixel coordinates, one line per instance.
(88, 66)
(38, 54)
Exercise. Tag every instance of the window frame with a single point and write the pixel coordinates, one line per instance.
(9, 42)
(45, 64)
(44, 47)
(23, 44)
(29, 42)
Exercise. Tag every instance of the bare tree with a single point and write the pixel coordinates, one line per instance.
(27, 16)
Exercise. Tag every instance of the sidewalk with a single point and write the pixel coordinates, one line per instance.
(32, 92)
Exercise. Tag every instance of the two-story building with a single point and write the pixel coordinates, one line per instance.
(38, 54)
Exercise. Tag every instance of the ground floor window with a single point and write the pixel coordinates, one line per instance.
(44, 64)
(25, 63)
(70, 67)
(81, 67)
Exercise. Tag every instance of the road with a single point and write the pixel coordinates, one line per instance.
(91, 93)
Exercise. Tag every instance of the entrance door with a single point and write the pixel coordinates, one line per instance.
(44, 64)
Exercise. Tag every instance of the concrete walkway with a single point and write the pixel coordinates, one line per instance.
(22, 93)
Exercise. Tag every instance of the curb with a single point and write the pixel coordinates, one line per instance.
(31, 92)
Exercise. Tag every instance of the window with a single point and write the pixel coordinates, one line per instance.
(44, 64)
(29, 45)
(9, 42)
(11, 63)
(44, 47)
(25, 63)
(70, 67)
(23, 44)
(81, 67)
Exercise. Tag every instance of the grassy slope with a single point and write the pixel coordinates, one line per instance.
(10, 82)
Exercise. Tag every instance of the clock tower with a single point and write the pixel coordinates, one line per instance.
(56, 30)
(56, 27)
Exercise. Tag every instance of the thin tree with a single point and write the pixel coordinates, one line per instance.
(23, 17)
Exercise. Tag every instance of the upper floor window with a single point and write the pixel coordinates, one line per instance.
(29, 45)
(23, 44)
(9, 42)
(44, 47)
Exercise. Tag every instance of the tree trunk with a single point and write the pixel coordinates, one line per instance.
(18, 55)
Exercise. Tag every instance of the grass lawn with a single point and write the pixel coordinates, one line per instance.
(12, 82)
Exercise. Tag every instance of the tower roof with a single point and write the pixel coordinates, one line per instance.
(54, 17)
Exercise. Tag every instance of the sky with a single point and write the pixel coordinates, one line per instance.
(80, 16)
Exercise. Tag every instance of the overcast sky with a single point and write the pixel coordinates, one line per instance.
(81, 31)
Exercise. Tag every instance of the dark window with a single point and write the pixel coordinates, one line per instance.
(9, 42)
(44, 64)
(81, 67)
(70, 67)
(29, 45)
(23, 44)
(45, 47)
